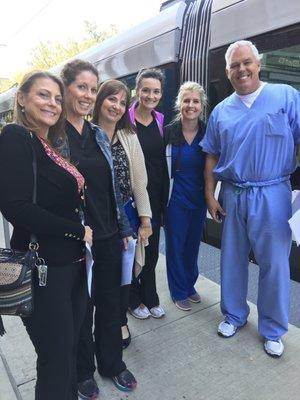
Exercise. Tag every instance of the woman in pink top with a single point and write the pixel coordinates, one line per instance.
(144, 300)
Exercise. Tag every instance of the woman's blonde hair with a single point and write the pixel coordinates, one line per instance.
(192, 87)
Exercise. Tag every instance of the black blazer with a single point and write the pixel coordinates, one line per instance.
(55, 217)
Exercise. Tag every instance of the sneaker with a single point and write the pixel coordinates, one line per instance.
(226, 329)
(184, 305)
(157, 312)
(125, 381)
(141, 312)
(195, 298)
(274, 348)
(88, 389)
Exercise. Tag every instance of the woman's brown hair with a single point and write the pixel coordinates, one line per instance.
(74, 68)
(57, 130)
(108, 88)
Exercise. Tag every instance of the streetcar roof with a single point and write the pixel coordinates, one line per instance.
(148, 44)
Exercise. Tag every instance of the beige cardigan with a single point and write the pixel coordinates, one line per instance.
(137, 170)
(138, 182)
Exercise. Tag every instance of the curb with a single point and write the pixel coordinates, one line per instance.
(8, 387)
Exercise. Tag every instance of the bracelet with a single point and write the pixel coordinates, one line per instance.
(145, 226)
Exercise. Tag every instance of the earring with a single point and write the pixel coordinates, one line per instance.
(22, 109)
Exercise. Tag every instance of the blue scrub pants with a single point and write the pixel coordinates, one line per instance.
(183, 230)
(257, 218)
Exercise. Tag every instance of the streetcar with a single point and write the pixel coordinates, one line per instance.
(188, 40)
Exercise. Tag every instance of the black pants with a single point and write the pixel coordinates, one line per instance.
(107, 256)
(54, 330)
(86, 346)
(143, 288)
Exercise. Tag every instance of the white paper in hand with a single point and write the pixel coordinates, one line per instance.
(89, 262)
(127, 262)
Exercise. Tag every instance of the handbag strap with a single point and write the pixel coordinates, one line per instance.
(33, 238)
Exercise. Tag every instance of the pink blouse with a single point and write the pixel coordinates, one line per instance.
(59, 160)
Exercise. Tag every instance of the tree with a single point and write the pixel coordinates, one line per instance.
(99, 36)
(48, 54)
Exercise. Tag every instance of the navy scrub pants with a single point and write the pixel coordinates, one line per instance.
(183, 230)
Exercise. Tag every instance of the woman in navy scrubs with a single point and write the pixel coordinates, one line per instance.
(186, 210)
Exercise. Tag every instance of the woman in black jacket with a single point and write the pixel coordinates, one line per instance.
(186, 210)
(59, 306)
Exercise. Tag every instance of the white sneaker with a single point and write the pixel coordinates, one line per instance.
(141, 312)
(274, 348)
(157, 312)
(226, 329)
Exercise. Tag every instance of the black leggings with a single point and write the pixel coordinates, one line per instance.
(54, 330)
(143, 288)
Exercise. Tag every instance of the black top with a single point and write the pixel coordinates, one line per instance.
(55, 218)
(153, 148)
(121, 167)
(86, 155)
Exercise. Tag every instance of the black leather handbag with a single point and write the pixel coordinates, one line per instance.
(16, 272)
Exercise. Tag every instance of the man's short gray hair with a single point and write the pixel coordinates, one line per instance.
(236, 45)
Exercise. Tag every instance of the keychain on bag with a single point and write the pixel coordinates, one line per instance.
(42, 271)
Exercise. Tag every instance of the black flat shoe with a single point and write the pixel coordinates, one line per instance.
(126, 342)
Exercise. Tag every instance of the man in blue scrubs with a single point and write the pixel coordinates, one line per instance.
(251, 140)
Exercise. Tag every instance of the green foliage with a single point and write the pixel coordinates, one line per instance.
(99, 35)
(48, 54)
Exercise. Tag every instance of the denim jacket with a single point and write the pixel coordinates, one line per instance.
(104, 144)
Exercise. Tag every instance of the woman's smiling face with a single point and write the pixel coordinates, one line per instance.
(81, 94)
(113, 108)
(42, 105)
(149, 93)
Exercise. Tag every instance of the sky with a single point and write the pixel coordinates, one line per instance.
(24, 24)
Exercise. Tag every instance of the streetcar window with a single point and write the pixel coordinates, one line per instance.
(282, 66)
(280, 62)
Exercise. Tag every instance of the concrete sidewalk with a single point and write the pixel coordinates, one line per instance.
(179, 357)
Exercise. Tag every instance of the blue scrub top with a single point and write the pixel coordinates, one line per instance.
(188, 186)
(256, 145)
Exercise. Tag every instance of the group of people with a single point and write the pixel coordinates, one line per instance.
(94, 173)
